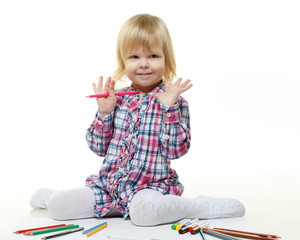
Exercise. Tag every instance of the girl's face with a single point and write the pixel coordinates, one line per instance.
(145, 67)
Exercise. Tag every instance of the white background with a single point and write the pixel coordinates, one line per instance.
(242, 56)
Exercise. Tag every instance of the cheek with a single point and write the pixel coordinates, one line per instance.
(130, 71)
(161, 68)
(129, 68)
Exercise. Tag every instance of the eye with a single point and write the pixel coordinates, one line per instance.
(153, 56)
(134, 57)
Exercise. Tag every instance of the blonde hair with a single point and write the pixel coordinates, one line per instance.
(144, 30)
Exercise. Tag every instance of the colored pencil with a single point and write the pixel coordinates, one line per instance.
(202, 235)
(62, 233)
(39, 228)
(220, 235)
(96, 230)
(117, 94)
(91, 229)
(200, 224)
(190, 223)
(179, 226)
(242, 235)
(131, 238)
(195, 224)
(177, 223)
(259, 234)
(185, 227)
(198, 228)
(30, 232)
(51, 230)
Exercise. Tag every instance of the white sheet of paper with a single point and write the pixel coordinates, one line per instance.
(119, 228)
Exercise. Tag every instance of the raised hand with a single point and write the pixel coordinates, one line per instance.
(172, 91)
(106, 105)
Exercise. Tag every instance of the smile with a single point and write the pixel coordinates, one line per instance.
(144, 74)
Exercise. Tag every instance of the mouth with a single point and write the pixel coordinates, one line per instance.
(144, 74)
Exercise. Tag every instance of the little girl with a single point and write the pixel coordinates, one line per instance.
(139, 135)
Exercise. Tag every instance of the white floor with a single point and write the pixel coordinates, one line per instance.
(242, 57)
(272, 202)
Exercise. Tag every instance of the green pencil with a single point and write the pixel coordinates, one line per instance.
(221, 235)
(52, 230)
(63, 233)
(202, 235)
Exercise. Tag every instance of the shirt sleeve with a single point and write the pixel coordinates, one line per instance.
(99, 134)
(175, 136)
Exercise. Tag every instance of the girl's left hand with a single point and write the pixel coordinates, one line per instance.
(172, 91)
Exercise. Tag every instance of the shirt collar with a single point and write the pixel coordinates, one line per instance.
(159, 88)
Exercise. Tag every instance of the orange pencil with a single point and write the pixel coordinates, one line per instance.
(96, 230)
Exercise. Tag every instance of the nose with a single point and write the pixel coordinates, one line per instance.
(144, 63)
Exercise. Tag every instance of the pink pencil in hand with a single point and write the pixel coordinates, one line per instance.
(117, 94)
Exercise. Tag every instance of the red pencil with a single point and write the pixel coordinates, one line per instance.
(117, 94)
(34, 229)
(270, 236)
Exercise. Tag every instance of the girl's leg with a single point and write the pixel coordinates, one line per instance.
(149, 207)
(65, 205)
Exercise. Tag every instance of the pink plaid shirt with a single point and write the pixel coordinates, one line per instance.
(138, 141)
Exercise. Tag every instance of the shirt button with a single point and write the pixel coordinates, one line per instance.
(166, 137)
(100, 122)
(144, 107)
(169, 115)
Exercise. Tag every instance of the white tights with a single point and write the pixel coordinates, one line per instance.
(147, 208)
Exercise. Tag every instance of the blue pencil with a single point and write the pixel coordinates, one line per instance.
(91, 229)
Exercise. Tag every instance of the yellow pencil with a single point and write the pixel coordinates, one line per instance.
(96, 230)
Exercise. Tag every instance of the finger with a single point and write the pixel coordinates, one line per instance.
(177, 83)
(185, 83)
(186, 88)
(100, 83)
(168, 83)
(95, 88)
(111, 88)
(107, 83)
(98, 89)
